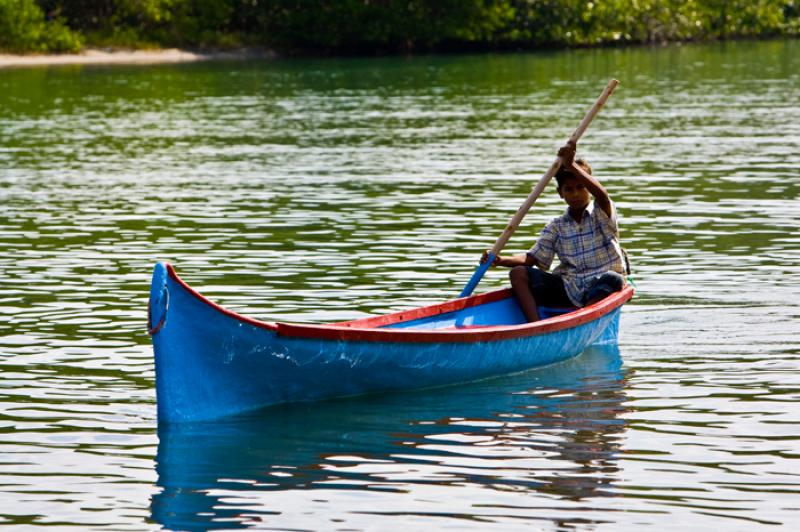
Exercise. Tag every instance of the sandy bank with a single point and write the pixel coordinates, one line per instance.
(128, 57)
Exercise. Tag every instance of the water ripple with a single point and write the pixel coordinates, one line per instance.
(331, 190)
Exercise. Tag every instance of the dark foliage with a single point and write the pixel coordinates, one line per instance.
(381, 26)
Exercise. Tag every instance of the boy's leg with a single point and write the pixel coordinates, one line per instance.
(603, 286)
(520, 285)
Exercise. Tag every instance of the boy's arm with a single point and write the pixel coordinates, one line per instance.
(510, 262)
(601, 197)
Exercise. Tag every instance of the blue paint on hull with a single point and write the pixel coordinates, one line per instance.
(210, 364)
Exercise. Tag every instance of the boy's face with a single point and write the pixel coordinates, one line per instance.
(574, 193)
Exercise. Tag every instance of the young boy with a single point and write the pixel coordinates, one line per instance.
(586, 240)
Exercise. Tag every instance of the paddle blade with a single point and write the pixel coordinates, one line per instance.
(477, 276)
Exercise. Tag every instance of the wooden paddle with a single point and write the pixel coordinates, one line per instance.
(535, 193)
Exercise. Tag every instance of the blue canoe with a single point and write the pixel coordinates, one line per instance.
(212, 362)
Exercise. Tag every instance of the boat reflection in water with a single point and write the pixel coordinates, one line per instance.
(554, 430)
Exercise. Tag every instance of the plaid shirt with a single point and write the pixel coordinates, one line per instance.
(585, 249)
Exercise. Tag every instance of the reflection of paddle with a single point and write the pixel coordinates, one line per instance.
(537, 190)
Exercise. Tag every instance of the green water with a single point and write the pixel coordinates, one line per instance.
(324, 190)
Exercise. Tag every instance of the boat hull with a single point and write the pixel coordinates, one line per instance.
(212, 363)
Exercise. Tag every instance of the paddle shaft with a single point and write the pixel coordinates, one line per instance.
(501, 242)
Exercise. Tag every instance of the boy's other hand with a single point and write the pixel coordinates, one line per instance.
(485, 257)
(567, 154)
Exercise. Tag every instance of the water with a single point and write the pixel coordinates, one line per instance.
(335, 189)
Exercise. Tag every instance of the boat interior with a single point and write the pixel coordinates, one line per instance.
(486, 310)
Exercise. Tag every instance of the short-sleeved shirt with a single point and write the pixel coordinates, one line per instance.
(585, 249)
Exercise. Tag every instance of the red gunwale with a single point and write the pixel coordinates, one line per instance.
(364, 330)
(426, 312)
(346, 332)
(258, 323)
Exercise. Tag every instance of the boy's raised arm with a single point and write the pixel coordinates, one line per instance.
(601, 197)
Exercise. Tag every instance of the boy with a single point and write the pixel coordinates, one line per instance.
(586, 240)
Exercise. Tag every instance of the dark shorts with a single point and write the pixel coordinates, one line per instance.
(548, 289)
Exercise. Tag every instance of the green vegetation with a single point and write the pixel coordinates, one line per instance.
(579, 22)
(379, 26)
(23, 28)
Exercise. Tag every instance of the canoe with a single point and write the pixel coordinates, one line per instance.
(212, 362)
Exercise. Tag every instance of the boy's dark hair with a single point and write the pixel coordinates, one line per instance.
(564, 173)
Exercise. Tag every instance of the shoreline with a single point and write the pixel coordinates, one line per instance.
(122, 56)
(129, 57)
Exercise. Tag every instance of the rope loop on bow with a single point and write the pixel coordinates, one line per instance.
(154, 330)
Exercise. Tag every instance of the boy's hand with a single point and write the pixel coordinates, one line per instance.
(485, 257)
(567, 154)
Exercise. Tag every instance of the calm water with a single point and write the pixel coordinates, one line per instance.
(328, 190)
